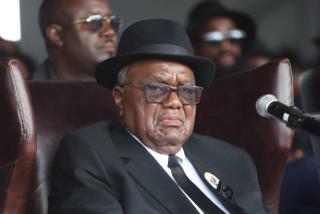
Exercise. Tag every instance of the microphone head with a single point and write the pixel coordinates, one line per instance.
(263, 103)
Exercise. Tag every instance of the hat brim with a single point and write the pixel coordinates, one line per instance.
(107, 71)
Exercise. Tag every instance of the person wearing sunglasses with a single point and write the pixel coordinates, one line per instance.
(151, 161)
(79, 34)
(220, 34)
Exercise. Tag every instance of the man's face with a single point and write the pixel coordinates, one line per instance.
(163, 127)
(225, 54)
(84, 43)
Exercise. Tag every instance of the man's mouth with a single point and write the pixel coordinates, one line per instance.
(109, 47)
(169, 120)
(227, 58)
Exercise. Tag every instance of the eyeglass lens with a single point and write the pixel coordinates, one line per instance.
(216, 37)
(97, 21)
(157, 92)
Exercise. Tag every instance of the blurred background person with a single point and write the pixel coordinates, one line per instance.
(220, 34)
(78, 34)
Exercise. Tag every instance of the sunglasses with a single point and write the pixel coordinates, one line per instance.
(216, 37)
(158, 92)
(97, 22)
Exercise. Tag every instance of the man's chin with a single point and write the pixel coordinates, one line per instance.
(169, 142)
(175, 136)
(170, 149)
(172, 130)
(169, 136)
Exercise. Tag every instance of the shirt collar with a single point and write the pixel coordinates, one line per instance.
(181, 155)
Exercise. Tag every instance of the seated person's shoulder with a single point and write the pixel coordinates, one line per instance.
(93, 136)
(96, 130)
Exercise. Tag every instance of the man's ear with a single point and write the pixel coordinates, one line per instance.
(118, 97)
(54, 35)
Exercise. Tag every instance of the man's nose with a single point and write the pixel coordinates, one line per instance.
(173, 100)
(226, 44)
(107, 30)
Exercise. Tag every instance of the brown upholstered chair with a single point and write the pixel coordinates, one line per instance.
(226, 111)
(60, 107)
(17, 140)
(57, 107)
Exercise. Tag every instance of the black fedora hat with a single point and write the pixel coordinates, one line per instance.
(155, 38)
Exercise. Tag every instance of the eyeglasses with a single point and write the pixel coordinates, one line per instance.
(158, 92)
(216, 37)
(97, 22)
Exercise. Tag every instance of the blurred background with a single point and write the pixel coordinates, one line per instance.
(282, 24)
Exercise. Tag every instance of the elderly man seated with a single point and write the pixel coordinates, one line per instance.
(151, 162)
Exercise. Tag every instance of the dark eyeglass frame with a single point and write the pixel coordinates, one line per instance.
(159, 92)
(216, 37)
(98, 21)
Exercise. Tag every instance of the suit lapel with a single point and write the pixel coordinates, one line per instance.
(149, 174)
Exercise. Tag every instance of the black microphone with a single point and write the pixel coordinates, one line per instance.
(268, 105)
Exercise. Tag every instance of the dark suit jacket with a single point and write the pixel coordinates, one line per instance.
(101, 169)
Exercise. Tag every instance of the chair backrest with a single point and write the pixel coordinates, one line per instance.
(60, 107)
(227, 111)
(17, 139)
(309, 82)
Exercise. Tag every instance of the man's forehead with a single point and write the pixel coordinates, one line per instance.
(160, 69)
(218, 23)
(73, 6)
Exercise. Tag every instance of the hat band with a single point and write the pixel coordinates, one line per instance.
(161, 49)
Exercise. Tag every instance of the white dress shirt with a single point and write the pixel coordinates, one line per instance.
(190, 172)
